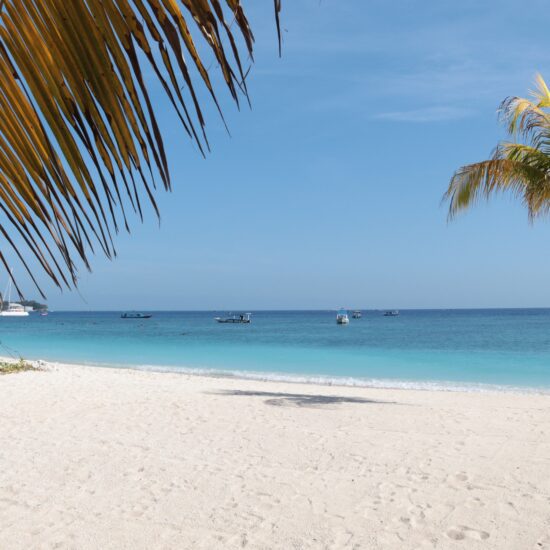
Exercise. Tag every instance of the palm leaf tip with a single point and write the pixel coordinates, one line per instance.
(463, 189)
(542, 93)
(79, 137)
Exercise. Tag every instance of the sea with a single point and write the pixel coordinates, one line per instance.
(473, 350)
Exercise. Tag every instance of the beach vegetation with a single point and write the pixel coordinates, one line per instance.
(520, 167)
(10, 367)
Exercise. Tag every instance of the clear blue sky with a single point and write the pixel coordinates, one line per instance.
(328, 191)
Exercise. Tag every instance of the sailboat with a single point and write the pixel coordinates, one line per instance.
(14, 309)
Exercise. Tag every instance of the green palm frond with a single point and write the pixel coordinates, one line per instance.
(80, 145)
(520, 168)
(524, 118)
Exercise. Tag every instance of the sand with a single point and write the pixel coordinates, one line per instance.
(115, 459)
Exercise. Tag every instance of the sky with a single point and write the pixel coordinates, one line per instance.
(328, 191)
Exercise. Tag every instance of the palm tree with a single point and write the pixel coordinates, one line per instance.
(79, 141)
(522, 168)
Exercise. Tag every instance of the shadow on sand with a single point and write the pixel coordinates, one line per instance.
(278, 399)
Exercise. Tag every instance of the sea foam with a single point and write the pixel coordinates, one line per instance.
(321, 380)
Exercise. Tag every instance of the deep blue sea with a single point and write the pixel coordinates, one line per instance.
(454, 349)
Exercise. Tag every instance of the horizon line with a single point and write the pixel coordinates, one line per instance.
(300, 310)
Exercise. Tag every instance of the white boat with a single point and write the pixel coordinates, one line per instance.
(13, 309)
(342, 317)
(391, 313)
(357, 314)
(243, 318)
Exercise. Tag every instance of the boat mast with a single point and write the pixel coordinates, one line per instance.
(9, 288)
(7, 292)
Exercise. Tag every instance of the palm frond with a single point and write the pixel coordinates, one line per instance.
(524, 118)
(542, 93)
(520, 168)
(481, 180)
(527, 155)
(80, 145)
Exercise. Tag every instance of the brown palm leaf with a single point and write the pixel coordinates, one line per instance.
(79, 140)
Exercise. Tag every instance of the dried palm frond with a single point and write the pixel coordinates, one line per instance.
(79, 140)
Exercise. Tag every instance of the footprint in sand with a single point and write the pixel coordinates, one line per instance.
(460, 477)
(461, 532)
(459, 480)
(475, 502)
(543, 544)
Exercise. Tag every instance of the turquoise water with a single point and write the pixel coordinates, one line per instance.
(420, 348)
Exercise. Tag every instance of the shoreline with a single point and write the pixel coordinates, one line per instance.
(129, 459)
(309, 379)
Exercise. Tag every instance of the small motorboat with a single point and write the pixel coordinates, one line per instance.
(357, 314)
(243, 318)
(342, 317)
(136, 315)
(391, 313)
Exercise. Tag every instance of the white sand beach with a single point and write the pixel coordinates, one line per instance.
(116, 459)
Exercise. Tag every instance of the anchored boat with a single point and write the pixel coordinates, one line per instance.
(13, 309)
(391, 313)
(357, 314)
(241, 318)
(342, 317)
(136, 315)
